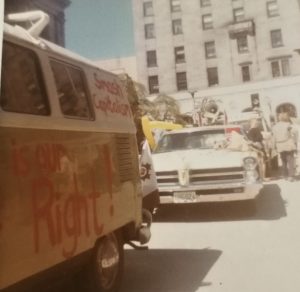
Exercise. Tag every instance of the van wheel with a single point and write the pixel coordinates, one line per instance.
(107, 264)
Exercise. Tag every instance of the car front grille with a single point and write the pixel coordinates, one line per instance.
(202, 176)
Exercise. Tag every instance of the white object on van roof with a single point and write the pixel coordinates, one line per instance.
(38, 19)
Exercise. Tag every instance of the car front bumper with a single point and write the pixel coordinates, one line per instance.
(209, 193)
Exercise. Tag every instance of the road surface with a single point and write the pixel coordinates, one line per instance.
(222, 247)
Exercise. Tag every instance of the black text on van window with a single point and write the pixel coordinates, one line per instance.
(71, 90)
(22, 89)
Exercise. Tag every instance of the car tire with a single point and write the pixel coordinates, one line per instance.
(107, 264)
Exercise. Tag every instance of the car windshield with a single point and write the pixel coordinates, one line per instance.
(192, 140)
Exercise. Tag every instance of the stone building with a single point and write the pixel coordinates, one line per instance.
(192, 45)
(55, 31)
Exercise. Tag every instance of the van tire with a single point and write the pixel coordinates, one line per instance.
(107, 264)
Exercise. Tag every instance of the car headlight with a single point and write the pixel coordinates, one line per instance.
(250, 163)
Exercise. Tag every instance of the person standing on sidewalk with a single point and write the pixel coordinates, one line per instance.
(286, 144)
(255, 136)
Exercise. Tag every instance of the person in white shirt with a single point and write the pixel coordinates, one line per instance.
(286, 144)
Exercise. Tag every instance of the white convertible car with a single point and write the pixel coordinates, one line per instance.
(206, 164)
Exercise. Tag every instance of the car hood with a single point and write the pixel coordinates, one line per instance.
(198, 159)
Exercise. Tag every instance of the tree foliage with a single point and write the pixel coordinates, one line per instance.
(162, 108)
(166, 108)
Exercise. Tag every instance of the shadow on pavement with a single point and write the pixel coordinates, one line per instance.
(167, 270)
(268, 205)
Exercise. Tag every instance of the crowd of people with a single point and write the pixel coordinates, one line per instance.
(285, 138)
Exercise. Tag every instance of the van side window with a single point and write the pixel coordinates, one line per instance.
(71, 90)
(22, 89)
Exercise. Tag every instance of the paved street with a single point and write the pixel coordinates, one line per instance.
(222, 247)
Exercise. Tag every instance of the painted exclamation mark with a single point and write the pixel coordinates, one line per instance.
(108, 173)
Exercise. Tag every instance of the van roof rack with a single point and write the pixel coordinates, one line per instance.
(38, 20)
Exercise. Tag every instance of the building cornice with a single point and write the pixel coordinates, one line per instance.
(279, 57)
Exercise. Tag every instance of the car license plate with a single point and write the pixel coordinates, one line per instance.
(185, 197)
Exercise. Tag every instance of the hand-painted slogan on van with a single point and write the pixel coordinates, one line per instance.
(61, 210)
(110, 98)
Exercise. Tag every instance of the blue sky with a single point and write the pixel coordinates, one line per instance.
(100, 29)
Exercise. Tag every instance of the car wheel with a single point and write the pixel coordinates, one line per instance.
(107, 264)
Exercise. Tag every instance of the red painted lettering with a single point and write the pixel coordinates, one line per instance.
(115, 107)
(42, 200)
(60, 218)
(20, 165)
(110, 87)
(58, 214)
(94, 195)
(70, 224)
(67, 216)
(48, 156)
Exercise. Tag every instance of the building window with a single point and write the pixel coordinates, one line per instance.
(246, 73)
(242, 44)
(148, 8)
(210, 50)
(175, 5)
(280, 67)
(149, 31)
(205, 3)
(153, 84)
(238, 14)
(276, 38)
(151, 59)
(181, 81)
(207, 21)
(179, 55)
(177, 26)
(22, 89)
(212, 76)
(272, 9)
